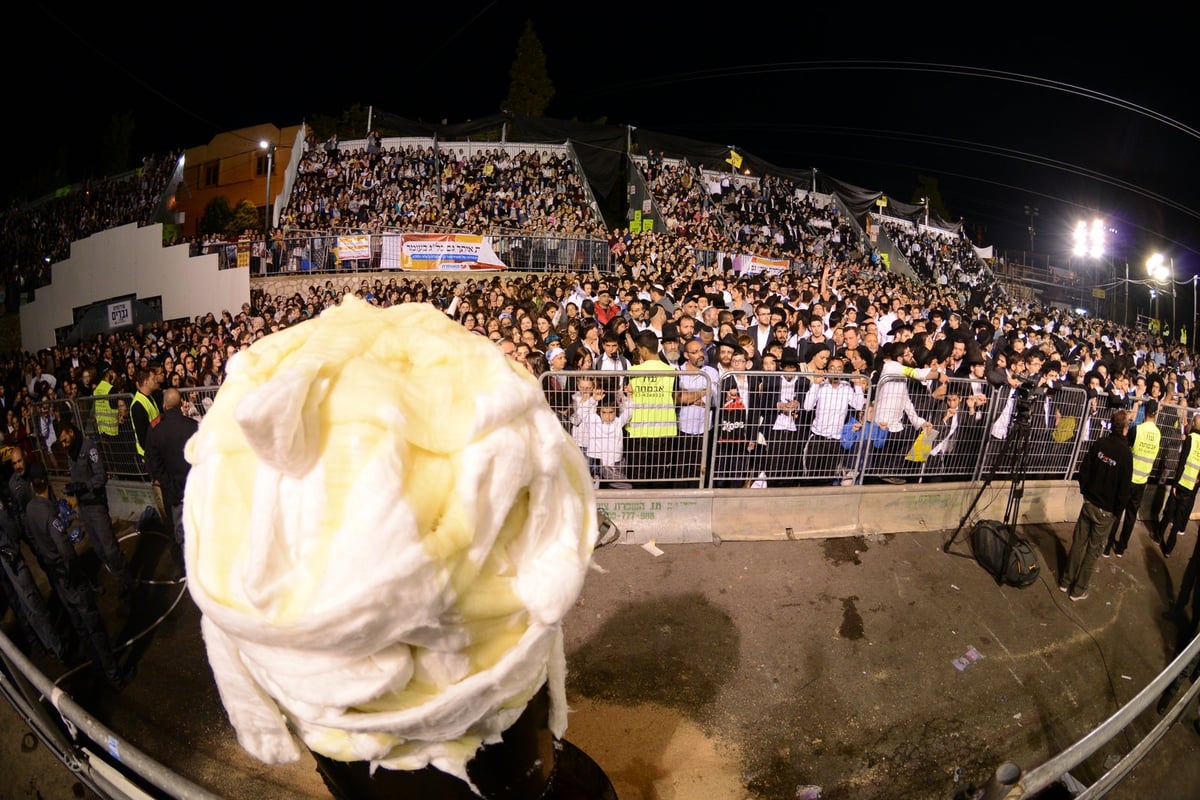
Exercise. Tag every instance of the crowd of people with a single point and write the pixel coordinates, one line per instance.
(35, 235)
(376, 187)
(668, 365)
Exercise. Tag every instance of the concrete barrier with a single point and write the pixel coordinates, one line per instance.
(698, 515)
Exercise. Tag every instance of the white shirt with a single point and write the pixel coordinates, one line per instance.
(831, 404)
(892, 402)
(604, 439)
(695, 419)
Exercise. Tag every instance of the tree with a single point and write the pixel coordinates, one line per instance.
(216, 217)
(529, 88)
(245, 218)
(352, 124)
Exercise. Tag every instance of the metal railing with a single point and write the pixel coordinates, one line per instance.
(317, 252)
(112, 431)
(748, 439)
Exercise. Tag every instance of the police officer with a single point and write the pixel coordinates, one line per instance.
(20, 588)
(19, 492)
(1145, 440)
(48, 538)
(89, 488)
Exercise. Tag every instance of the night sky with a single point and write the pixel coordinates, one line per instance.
(1076, 117)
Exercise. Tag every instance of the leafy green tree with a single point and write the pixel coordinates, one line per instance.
(245, 218)
(529, 89)
(217, 216)
(352, 124)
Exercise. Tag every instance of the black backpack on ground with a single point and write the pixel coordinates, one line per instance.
(1006, 556)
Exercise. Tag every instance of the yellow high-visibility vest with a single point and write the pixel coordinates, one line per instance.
(1191, 467)
(653, 402)
(1145, 450)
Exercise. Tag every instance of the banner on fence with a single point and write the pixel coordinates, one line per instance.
(439, 251)
(354, 248)
(753, 265)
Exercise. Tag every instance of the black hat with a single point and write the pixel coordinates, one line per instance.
(603, 290)
(36, 471)
(790, 358)
(670, 332)
(729, 340)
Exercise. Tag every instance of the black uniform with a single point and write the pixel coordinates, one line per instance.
(89, 485)
(21, 591)
(49, 540)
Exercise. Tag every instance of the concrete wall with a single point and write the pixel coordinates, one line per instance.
(130, 260)
(819, 512)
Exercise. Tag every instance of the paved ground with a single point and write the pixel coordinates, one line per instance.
(751, 670)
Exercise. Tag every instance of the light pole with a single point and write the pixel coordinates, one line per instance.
(1156, 266)
(270, 148)
(1126, 320)
(1031, 212)
(1088, 242)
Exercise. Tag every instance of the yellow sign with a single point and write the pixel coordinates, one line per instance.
(1098, 294)
(882, 201)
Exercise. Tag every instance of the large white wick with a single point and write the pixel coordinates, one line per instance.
(385, 525)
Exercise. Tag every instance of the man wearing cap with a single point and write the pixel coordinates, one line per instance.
(660, 296)
(724, 354)
(670, 351)
(20, 588)
(48, 539)
(785, 443)
(1145, 440)
(88, 490)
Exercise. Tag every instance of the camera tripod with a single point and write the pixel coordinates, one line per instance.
(1011, 459)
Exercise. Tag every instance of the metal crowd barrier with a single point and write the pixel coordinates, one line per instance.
(752, 439)
(112, 430)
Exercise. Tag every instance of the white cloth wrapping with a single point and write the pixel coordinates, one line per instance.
(385, 525)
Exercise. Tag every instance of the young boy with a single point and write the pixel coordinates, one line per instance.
(601, 420)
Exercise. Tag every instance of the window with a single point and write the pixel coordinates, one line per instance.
(212, 173)
(260, 165)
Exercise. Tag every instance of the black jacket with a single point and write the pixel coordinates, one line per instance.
(1106, 473)
(164, 453)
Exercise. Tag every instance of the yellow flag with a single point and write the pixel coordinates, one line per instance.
(734, 159)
